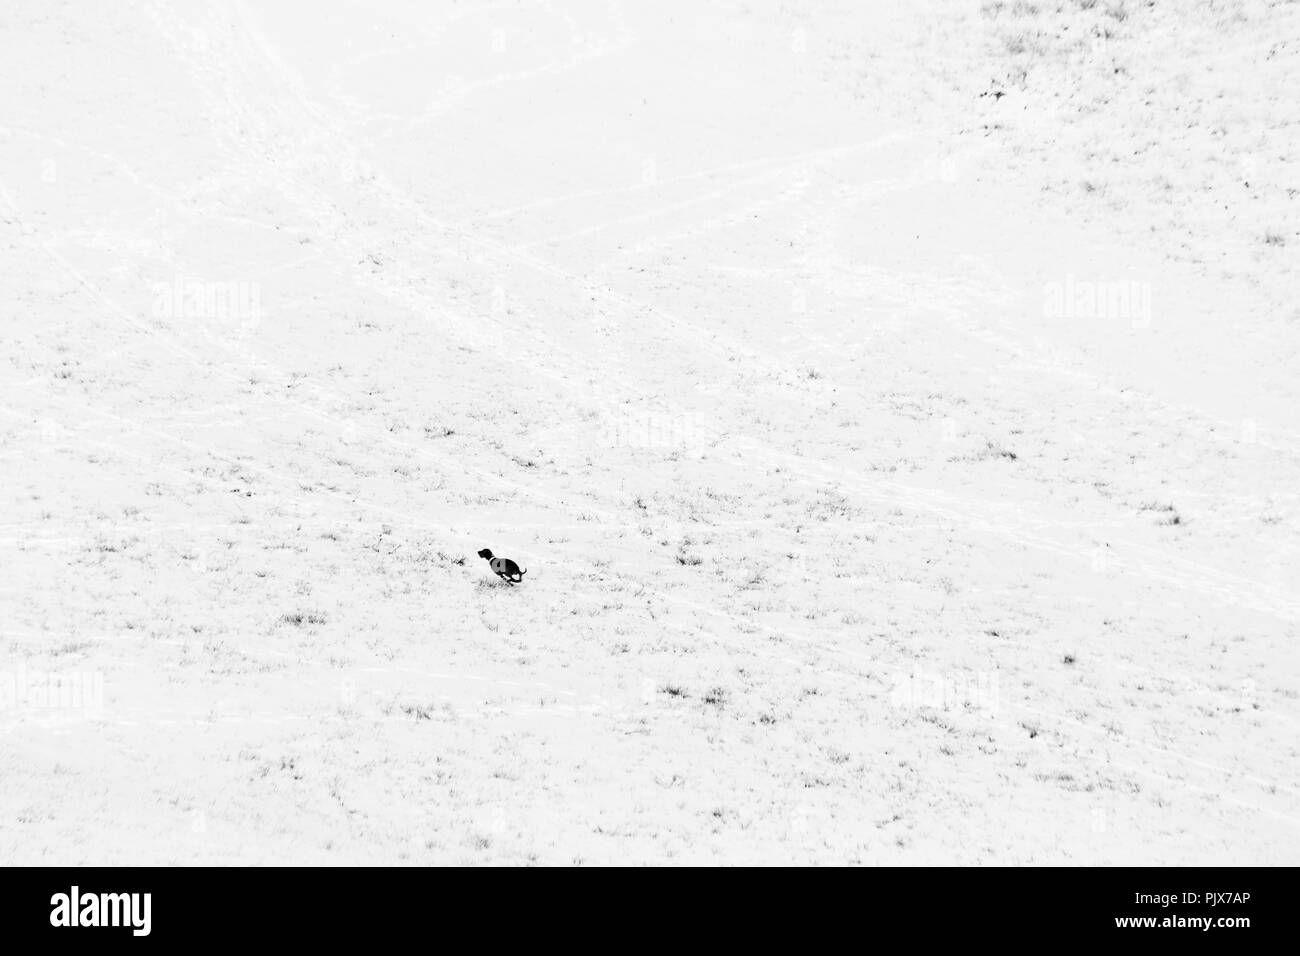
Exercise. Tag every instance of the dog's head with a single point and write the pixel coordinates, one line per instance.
(485, 553)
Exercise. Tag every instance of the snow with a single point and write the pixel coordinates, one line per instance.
(905, 473)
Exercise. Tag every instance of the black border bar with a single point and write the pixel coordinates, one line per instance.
(384, 906)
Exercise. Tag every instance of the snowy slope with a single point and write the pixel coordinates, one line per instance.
(904, 474)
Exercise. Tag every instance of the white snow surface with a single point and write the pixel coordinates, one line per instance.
(894, 406)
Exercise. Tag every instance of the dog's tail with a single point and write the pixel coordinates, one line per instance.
(523, 572)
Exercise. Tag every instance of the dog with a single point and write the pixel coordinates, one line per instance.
(504, 568)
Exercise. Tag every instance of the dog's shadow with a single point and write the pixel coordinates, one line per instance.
(493, 584)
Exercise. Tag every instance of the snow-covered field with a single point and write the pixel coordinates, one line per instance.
(894, 405)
